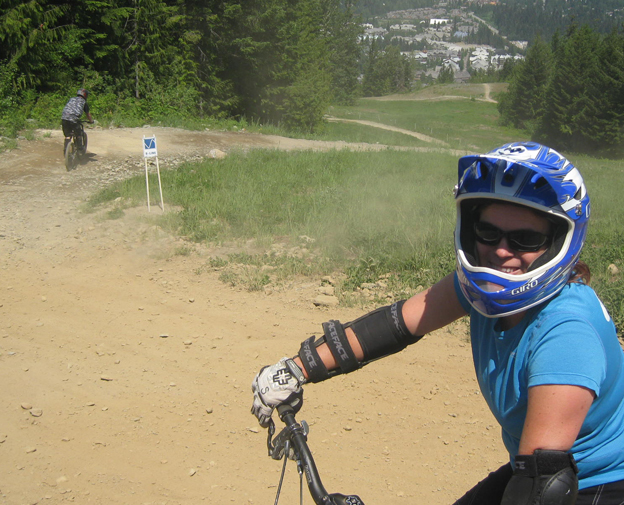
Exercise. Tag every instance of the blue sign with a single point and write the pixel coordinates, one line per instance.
(149, 147)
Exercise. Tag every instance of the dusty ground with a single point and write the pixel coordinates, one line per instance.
(126, 369)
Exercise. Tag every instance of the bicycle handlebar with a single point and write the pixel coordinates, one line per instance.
(296, 434)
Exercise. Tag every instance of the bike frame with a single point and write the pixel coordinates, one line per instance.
(73, 144)
(291, 443)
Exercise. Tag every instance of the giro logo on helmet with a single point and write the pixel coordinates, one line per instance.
(526, 287)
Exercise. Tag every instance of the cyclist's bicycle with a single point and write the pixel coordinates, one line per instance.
(291, 443)
(75, 146)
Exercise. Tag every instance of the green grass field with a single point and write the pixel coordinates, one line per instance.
(370, 215)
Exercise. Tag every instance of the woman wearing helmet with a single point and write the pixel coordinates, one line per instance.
(545, 349)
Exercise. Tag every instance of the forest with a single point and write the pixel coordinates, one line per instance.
(526, 19)
(284, 62)
(279, 61)
(569, 94)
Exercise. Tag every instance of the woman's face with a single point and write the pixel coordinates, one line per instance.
(510, 218)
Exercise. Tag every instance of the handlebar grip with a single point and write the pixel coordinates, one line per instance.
(286, 414)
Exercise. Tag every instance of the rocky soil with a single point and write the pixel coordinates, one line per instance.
(126, 368)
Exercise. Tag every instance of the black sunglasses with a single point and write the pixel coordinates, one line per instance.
(518, 240)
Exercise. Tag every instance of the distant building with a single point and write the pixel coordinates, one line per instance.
(462, 76)
(522, 44)
(453, 65)
(374, 33)
(403, 27)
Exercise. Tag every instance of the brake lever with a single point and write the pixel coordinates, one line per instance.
(278, 445)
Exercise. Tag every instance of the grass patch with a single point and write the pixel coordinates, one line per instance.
(349, 132)
(116, 213)
(382, 219)
(462, 124)
(353, 205)
(7, 144)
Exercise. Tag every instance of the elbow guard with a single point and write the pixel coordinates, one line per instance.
(380, 333)
(543, 478)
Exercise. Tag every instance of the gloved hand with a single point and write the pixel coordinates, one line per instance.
(275, 385)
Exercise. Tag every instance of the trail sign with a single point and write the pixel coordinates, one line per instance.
(150, 151)
(149, 147)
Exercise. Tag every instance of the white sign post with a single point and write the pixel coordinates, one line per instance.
(150, 151)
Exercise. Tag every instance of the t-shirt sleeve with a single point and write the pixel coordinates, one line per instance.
(86, 108)
(460, 295)
(568, 352)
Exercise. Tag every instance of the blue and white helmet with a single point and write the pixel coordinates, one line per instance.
(534, 176)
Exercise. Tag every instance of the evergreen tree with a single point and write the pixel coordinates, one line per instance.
(214, 33)
(610, 98)
(151, 38)
(386, 72)
(370, 81)
(307, 91)
(344, 50)
(270, 60)
(446, 75)
(571, 106)
(32, 41)
(523, 104)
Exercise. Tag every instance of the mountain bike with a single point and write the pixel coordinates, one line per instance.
(75, 146)
(291, 443)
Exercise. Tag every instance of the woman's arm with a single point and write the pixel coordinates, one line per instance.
(555, 414)
(423, 313)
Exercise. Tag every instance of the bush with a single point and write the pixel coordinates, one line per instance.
(46, 111)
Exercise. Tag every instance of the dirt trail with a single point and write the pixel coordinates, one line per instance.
(429, 94)
(417, 135)
(126, 368)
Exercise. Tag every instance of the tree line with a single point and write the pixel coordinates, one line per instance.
(276, 61)
(569, 94)
(525, 19)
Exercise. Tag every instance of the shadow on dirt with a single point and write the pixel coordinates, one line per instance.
(87, 158)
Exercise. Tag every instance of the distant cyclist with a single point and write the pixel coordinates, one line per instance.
(70, 119)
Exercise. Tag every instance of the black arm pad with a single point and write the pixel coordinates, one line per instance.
(383, 332)
(545, 477)
(311, 361)
(380, 333)
(340, 347)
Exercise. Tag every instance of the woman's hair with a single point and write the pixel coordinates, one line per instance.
(581, 273)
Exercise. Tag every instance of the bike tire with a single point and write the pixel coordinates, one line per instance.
(70, 156)
(83, 149)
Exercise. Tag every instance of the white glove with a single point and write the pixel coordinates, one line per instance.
(275, 385)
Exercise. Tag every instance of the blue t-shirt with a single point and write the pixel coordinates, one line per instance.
(569, 339)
